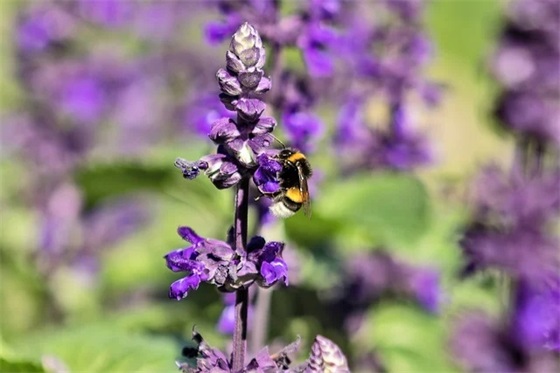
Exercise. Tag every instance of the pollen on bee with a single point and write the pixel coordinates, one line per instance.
(295, 195)
(296, 157)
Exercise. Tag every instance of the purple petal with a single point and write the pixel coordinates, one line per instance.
(189, 235)
(274, 271)
(180, 288)
(181, 260)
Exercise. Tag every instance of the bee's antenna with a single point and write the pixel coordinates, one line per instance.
(280, 142)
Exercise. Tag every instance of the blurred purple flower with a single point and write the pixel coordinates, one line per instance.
(216, 32)
(482, 345)
(383, 60)
(536, 321)
(108, 13)
(83, 98)
(509, 227)
(41, 26)
(304, 128)
(114, 220)
(369, 277)
(315, 42)
(226, 322)
(527, 64)
(202, 111)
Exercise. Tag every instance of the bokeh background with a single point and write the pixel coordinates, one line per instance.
(97, 102)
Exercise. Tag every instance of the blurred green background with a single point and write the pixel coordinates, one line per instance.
(123, 321)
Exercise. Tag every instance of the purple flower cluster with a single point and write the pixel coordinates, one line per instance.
(512, 214)
(515, 211)
(481, 344)
(217, 263)
(383, 60)
(526, 64)
(57, 133)
(511, 232)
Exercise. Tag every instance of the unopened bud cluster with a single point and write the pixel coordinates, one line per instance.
(241, 140)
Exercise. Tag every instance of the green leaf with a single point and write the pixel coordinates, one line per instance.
(25, 366)
(388, 208)
(12, 362)
(104, 348)
(407, 339)
(103, 181)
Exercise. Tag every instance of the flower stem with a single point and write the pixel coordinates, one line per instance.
(242, 295)
(260, 327)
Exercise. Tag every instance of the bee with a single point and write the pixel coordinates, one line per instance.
(294, 191)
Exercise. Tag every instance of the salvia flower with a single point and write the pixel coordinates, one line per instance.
(242, 139)
(216, 262)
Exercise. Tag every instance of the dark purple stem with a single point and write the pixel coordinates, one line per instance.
(242, 295)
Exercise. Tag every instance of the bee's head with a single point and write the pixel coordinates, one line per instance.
(286, 153)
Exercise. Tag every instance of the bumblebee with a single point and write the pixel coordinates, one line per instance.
(294, 191)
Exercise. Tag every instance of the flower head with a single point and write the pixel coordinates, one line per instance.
(216, 262)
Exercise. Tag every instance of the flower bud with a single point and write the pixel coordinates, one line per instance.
(326, 357)
(264, 85)
(246, 44)
(264, 125)
(223, 130)
(250, 109)
(250, 78)
(228, 83)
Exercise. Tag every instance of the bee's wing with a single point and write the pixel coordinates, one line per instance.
(304, 190)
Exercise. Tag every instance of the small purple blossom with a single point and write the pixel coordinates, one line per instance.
(266, 175)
